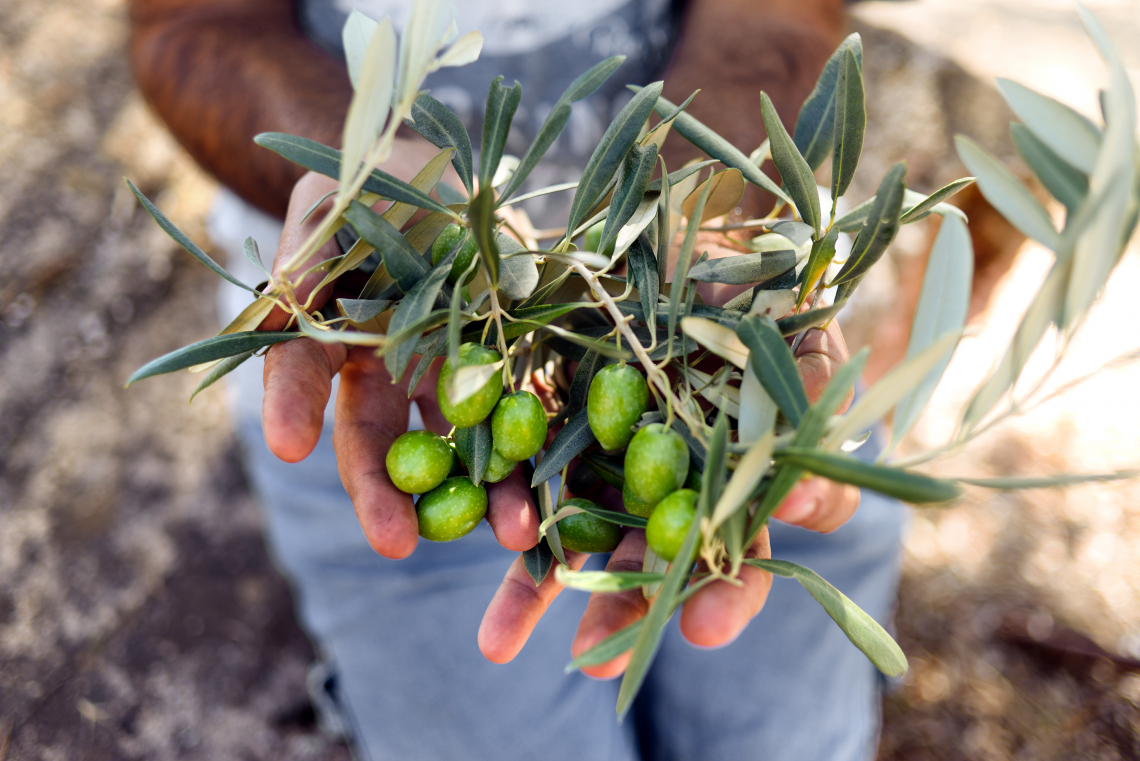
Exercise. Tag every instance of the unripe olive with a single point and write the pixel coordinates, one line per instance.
(694, 479)
(584, 532)
(475, 408)
(656, 463)
(418, 461)
(518, 426)
(498, 468)
(670, 522)
(594, 239)
(451, 236)
(451, 510)
(618, 398)
(633, 505)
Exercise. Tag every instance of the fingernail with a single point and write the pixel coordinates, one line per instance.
(798, 512)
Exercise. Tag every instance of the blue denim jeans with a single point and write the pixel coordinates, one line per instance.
(399, 637)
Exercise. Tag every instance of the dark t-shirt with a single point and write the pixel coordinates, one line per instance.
(545, 45)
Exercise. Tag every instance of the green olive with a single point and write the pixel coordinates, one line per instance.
(670, 522)
(594, 239)
(475, 408)
(584, 532)
(618, 398)
(451, 237)
(518, 426)
(694, 479)
(418, 461)
(498, 468)
(451, 510)
(656, 463)
(633, 505)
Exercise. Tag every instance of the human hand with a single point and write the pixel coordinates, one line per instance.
(371, 410)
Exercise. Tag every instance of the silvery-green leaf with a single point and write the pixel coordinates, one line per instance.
(481, 214)
(718, 148)
(933, 203)
(546, 510)
(822, 252)
(772, 304)
(470, 378)
(716, 338)
(724, 397)
(502, 102)
(220, 370)
(815, 125)
(604, 581)
(906, 485)
(942, 308)
(609, 648)
(1070, 135)
(794, 170)
(757, 410)
(218, 347)
(741, 269)
(538, 560)
(362, 310)
(812, 318)
(797, 232)
(479, 447)
(680, 174)
(632, 180)
(324, 160)
(658, 134)
(518, 275)
(607, 157)
(610, 471)
(413, 308)
(684, 260)
(652, 564)
(1006, 193)
(892, 387)
(643, 220)
(402, 261)
(642, 269)
(1049, 482)
(863, 631)
(1060, 178)
(727, 188)
(463, 51)
(771, 242)
(609, 516)
(371, 102)
(752, 467)
(574, 437)
(881, 227)
(580, 88)
(774, 365)
(355, 36)
(181, 239)
(850, 123)
(429, 348)
(249, 248)
(442, 128)
(762, 153)
(507, 166)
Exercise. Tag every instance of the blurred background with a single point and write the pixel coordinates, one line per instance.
(139, 614)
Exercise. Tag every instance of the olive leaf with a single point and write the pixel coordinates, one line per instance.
(609, 648)
(609, 470)
(582, 87)
(723, 342)
(1012, 199)
(442, 128)
(605, 581)
(740, 269)
(249, 248)
(478, 440)
(355, 36)
(502, 102)
(850, 124)
(632, 181)
(220, 370)
(774, 365)
(368, 110)
(518, 274)
(680, 174)
(574, 437)
(218, 347)
(718, 148)
(1061, 179)
(642, 267)
(681, 273)
(616, 141)
(863, 631)
(181, 239)
(794, 170)
(746, 478)
(822, 252)
(537, 561)
(1049, 482)
(934, 202)
(1067, 133)
(402, 261)
(362, 310)
(815, 125)
(413, 308)
(881, 227)
(467, 380)
(757, 409)
(894, 482)
(481, 214)
(726, 191)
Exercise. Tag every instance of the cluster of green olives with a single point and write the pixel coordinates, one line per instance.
(451, 505)
(422, 462)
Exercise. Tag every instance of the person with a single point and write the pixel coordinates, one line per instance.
(395, 621)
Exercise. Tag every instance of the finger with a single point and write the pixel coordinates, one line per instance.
(371, 412)
(512, 513)
(718, 613)
(298, 378)
(607, 613)
(819, 504)
(517, 606)
(819, 355)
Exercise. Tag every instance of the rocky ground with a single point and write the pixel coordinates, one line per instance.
(139, 614)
